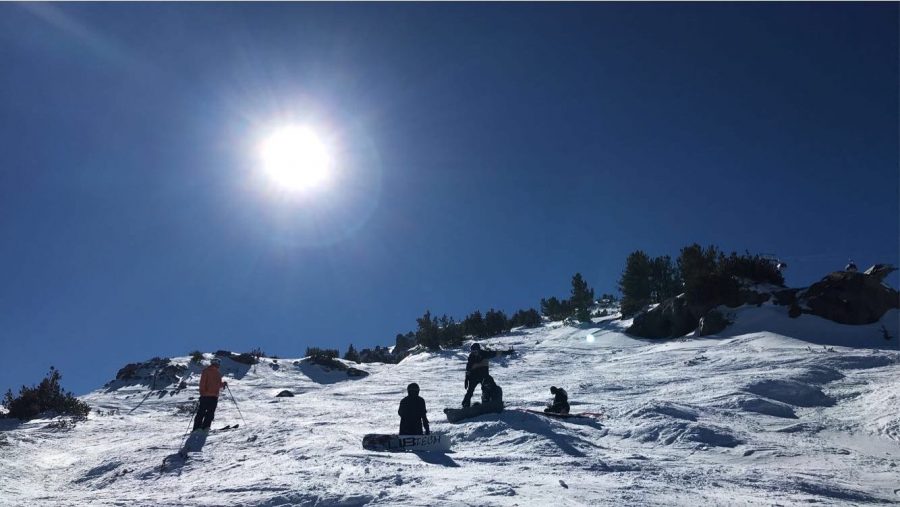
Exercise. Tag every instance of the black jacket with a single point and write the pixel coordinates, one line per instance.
(412, 415)
(560, 401)
(491, 394)
(477, 365)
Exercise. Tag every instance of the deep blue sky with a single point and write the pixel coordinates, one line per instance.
(489, 151)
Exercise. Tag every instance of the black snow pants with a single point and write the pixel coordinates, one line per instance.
(205, 412)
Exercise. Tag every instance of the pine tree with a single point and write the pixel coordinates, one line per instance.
(554, 309)
(495, 322)
(582, 298)
(474, 325)
(635, 283)
(664, 279)
(47, 396)
(527, 318)
(352, 354)
(428, 334)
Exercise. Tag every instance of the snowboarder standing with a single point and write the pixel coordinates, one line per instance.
(476, 370)
(560, 403)
(412, 412)
(210, 385)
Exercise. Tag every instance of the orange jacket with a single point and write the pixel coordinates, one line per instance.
(211, 381)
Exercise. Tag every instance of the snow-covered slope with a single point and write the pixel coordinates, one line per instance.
(765, 414)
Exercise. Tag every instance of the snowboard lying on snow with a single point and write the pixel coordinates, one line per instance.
(439, 442)
(458, 414)
(589, 415)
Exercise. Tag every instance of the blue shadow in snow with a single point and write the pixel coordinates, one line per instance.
(437, 458)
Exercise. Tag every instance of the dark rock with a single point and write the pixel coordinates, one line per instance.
(243, 358)
(794, 311)
(880, 271)
(133, 371)
(786, 297)
(712, 323)
(750, 297)
(330, 363)
(285, 394)
(851, 298)
(155, 373)
(673, 317)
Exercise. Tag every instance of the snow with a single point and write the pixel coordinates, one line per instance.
(773, 411)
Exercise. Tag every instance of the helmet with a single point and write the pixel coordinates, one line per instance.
(412, 389)
(476, 346)
(553, 389)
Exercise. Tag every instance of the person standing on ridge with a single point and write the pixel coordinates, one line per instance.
(412, 412)
(476, 370)
(210, 385)
(560, 403)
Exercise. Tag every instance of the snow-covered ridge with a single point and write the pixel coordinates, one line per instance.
(778, 410)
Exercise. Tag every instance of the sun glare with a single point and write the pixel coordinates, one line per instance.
(296, 159)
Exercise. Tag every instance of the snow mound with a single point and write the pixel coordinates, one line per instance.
(791, 392)
(669, 433)
(665, 409)
(766, 407)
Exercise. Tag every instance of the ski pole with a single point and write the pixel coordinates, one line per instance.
(190, 423)
(236, 405)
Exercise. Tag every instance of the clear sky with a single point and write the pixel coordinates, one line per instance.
(481, 155)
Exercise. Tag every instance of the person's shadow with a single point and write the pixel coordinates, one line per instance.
(194, 443)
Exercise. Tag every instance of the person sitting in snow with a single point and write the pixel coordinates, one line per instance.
(491, 393)
(476, 370)
(210, 385)
(412, 412)
(560, 403)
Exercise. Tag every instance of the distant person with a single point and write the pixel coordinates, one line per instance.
(210, 385)
(560, 403)
(476, 370)
(491, 393)
(412, 412)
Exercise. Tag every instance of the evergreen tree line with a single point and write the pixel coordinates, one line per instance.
(46, 397)
(704, 275)
(433, 332)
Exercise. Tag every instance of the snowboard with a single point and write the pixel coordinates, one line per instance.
(438, 442)
(459, 414)
(589, 415)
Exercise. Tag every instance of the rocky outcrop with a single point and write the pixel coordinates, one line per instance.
(243, 358)
(673, 317)
(713, 322)
(285, 394)
(847, 297)
(329, 363)
(851, 297)
(156, 373)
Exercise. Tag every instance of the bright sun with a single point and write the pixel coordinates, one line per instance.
(296, 159)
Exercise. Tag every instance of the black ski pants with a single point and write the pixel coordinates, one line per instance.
(205, 412)
(474, 380)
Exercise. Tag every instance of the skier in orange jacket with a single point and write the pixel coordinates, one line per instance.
(210, 385)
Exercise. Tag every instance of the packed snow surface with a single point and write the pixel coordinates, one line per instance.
(774, 411)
